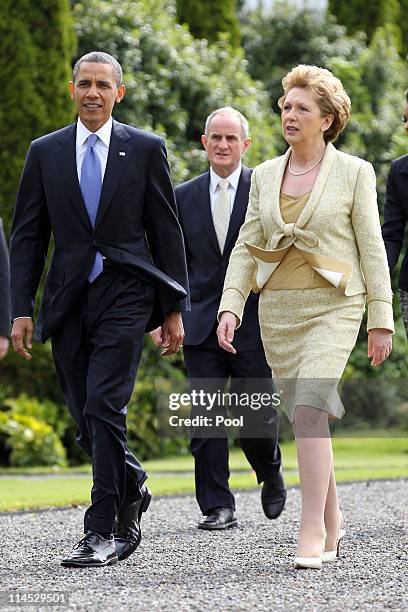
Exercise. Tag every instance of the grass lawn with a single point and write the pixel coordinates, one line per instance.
(355, 459)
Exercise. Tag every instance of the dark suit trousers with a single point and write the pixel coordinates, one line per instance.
(211, 454)
(96, 354)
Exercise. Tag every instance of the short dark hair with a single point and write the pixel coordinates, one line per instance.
(99, 57)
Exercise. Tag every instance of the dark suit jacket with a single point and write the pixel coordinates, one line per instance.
(4, 286)
(136, 225)
(395, 217)
(207, 267)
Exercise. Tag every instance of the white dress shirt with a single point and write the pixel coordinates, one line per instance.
(101, 147)
(233, 179)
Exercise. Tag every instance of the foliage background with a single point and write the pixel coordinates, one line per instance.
(182, 60)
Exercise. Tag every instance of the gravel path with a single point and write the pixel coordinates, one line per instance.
(180, 568)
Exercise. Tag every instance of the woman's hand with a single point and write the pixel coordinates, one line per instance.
(379, 345)
(4, 344)
(225, 331)
(157, 336)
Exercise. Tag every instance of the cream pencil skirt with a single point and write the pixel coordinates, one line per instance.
(308, 335)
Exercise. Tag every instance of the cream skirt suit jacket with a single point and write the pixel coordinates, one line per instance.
(308, 334)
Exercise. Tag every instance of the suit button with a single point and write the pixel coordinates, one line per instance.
(94, 243)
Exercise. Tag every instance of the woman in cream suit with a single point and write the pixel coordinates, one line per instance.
(311, 244)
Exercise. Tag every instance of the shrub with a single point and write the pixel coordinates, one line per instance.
(30, 442)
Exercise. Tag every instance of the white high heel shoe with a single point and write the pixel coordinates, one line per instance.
(329, 556)
(308, 562)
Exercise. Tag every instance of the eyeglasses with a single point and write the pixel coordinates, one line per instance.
(404, 119)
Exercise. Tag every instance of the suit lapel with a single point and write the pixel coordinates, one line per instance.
(404, 167)
(203, 203)
(118, 156)
(66, 163)
(274, 184)
(319, 185)
(240, 205)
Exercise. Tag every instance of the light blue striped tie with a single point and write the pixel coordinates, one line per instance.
(91, 185)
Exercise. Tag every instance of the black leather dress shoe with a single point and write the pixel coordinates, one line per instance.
(128, 533)
(92, 551)
(273, 496)
(219, 518)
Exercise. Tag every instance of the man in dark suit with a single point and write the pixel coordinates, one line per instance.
(118, 269)
(212, 209)
(4, 295)
(395, 220)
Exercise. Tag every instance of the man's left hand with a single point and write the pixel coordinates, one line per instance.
(172, 333)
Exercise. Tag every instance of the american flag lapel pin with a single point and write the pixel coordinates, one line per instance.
(122, 153)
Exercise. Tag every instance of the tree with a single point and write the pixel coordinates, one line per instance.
(403, 25)
(314, 39)
(173, 80)
(208, 18)
(372, 80)
(22, 109)
(36, 45)
(52, 30)
(360, 15)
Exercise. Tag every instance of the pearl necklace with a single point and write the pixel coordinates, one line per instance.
(304, 171)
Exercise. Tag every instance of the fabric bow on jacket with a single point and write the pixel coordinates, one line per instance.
(290, 230)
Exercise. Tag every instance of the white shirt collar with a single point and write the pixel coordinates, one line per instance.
(104, 132)
(233, 178)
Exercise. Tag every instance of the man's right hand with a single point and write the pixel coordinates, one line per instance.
(4, 344)
(22, 336)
